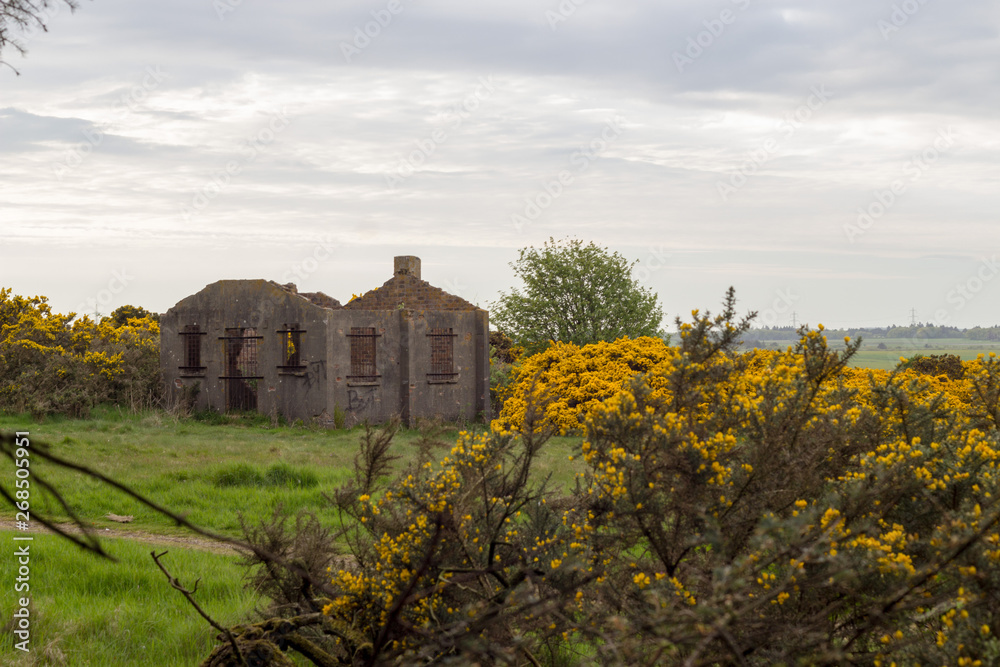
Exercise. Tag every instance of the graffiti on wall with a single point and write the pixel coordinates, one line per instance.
(359, 400)
(315, 373)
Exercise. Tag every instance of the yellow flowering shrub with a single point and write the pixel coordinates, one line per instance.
(794, 509)
(568, 382)
(461, 552)
(51, 363)
(571, 380)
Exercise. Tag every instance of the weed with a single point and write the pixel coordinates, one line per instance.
(339, 417)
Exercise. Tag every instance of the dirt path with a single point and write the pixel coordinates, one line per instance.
(124, 532)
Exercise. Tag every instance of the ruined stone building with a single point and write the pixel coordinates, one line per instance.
(404, 349)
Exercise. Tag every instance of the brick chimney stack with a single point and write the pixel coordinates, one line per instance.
(406, 265)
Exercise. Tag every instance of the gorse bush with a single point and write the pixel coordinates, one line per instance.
(780, 516)
(759, 509)
(573, 381)
(52, 364)
(937, 364)
(569, 381)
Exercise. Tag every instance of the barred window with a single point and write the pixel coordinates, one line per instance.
(191, 341)
(291, 347)
(442, 344)
(363, 368)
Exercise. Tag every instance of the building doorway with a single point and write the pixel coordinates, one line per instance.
(241, 375)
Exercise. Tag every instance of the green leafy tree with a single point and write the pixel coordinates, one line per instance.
(575, 293)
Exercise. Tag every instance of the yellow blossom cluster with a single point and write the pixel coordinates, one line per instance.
(53, 363)
(569, 381)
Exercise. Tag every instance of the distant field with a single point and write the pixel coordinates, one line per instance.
(870, 356)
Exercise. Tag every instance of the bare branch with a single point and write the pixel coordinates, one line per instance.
(189, 596)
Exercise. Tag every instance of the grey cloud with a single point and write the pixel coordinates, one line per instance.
(24, 131)
(775, 47)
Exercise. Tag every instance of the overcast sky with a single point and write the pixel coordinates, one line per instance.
(836, 161)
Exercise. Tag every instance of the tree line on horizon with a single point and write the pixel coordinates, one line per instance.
(918, 330)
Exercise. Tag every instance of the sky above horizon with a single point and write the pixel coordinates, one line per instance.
(835, 162)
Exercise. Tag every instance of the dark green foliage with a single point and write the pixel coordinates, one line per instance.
(282, 474)
(502, 348)
(503, 355)
(213, 417)
(983, 333)
(241, 474)
(949, 365)
(121, 315)
(575, 293)
(249, 419)
(339, 417)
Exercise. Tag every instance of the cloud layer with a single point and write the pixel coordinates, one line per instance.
(846, 151)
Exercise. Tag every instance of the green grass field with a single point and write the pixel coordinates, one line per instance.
(871, 356)
(212, 472)
(85, 610)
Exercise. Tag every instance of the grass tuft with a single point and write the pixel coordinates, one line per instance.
(282, 474)
(240, 474)
(279, 475)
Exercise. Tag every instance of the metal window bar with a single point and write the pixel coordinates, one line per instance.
(442, 354)
(363, 367)
(191, 337)
(291, 340)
